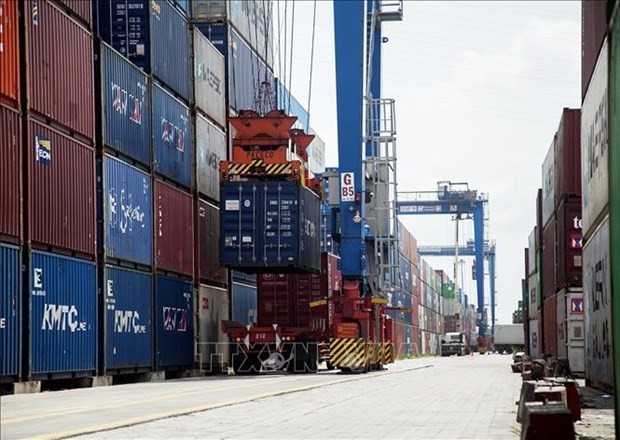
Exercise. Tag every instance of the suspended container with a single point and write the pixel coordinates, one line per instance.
(10, 313)
(174, 230)
(127, 212)
(210, 150)
(209, 79)
(10, 166)
(172, 138)
(61, 67)
(151, 34)
(269, 226)
(61, 190)
(9, 55)
(63, 316)
(174, 318)
(128, 321)
(207, 245)
(125, 116)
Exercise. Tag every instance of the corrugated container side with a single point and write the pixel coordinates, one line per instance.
(595, 145)
(249, 17)
(593, 31)
(569, 243)
(534, 296)
(63, 315)
(562, 329)
(10, 166)
(61, 187)
(207, 245)
(128, 321)
(597, 296)
(316, 154)
(531, 252)
(549, 260)
(210, 150)
(126, 113)
(269, 224)
(534, 340)
(213, 308)
(614, 188)
(209, 79)
(174, 229)
(568, 156)
(128, 212)
(172, 137)
(170, 47)
(60, 80)
(83, 9)
(9, 54)
(244, 300)
(548, 183)
(10, 311)
(174, 318)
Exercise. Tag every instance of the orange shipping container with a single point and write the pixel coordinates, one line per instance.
(9, 52)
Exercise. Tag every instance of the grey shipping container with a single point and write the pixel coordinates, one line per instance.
(207, 252)
(125, 118)
(244, 300)
(213, 308)
(209, 79)
(548, 184)
(63, 316)
(595, 145)
(128, 322)
(210, 150)
(597, 297)
(267, 226)
(127, 212)
(174, 317)
(10, 312)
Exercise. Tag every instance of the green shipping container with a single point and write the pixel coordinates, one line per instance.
(614, 195)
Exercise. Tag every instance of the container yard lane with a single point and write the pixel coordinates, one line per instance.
(466, 397)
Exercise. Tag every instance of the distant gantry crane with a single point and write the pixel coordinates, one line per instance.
(456, 199)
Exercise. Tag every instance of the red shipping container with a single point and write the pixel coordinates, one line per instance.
(207, 249)
(549, 286)
(568, 156)
(413, 250)
(569, 243)
(9, 52)
(82, 9)
(285, 299)
(10, 165)
(550, 324)
(60, 73)
(174, 229)
(593, 31)
(61, 190)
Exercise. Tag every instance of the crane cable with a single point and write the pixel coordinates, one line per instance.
(311, 65)
(290, 73)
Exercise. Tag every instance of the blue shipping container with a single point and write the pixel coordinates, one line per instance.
(128, 212)
(174, 319)
(267, 225)
(244, 68)
(291, 106)
(128, 322)
(172, 137)
(125, 103)
(244, 303)
(63, 315)
(405, 273)
(152, 34)
(10, 311)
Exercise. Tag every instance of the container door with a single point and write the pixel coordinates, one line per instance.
(281, 223)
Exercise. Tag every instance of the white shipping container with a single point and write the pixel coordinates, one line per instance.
(531, 252)
(548, 184)
(251, 18)
(213, 348)
(316, 154)
(533, 296)
(209, 79)
(211, 149)
(597, 305)
(595, 144)
(509, 334)
(575, 331)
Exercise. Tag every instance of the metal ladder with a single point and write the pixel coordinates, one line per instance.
(384, 275)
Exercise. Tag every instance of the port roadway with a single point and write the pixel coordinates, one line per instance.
(469, 397)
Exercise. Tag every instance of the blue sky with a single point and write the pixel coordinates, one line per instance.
(479, 89)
